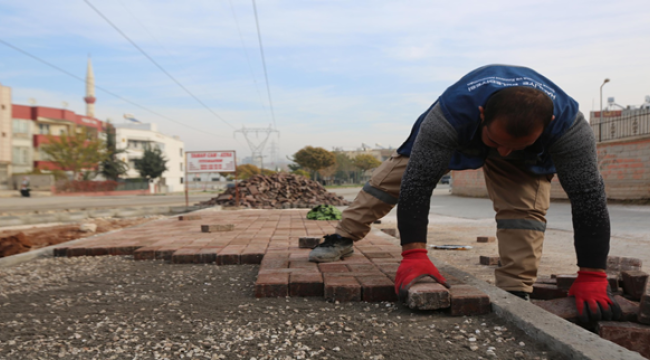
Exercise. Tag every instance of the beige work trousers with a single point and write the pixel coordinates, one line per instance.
(520, 200)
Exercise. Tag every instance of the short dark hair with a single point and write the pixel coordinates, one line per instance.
(524, 109)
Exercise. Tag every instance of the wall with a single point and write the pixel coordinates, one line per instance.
(624, 165)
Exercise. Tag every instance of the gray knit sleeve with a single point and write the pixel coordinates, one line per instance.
(576, 161)
(429, 160)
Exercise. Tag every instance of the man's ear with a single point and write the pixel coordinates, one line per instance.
(553, 118)
(482, 111)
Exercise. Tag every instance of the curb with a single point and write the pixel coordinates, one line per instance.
(558, 334)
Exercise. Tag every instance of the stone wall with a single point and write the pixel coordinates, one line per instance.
(624, 164)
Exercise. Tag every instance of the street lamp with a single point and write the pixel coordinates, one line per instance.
(600, 123)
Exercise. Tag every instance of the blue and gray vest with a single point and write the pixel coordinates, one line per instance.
(460, 103)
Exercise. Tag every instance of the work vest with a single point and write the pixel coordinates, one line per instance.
(460, 103)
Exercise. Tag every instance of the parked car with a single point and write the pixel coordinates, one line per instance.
(445, 179)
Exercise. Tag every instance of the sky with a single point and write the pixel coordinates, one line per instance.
(340, 73)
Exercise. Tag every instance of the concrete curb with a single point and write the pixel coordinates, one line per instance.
(558, 334)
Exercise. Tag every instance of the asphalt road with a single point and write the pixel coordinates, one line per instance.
(627, 221)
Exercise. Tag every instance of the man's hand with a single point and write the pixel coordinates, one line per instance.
(415, 265)
(593, 297)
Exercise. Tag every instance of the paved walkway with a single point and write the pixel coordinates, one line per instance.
(265, 237)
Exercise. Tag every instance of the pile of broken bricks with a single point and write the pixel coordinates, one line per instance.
(630, 289)
(368, 275)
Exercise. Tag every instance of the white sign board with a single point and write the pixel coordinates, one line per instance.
(210, 161)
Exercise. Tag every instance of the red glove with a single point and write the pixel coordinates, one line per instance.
(593, 297)
(414, 266)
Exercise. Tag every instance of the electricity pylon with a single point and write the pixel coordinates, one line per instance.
(257, 147)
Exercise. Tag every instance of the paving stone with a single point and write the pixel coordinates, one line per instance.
(428, 296)
(306, 285)
(76, 251)
(547, 292)
(564, 282)
(634, 283)
(189, 217)
(616, 264)
(272, 285)
(644, 305)
(230, 255)
(145, 253)
(123, 250)
(209, 255)
(467, 300)
(252, 255)
(333, 268)
(546, 279)
(60, 251)
(217, 228)
(485, 239)
(96, 251)
(634, 337)
(563, 307)
(377, 288)
(309, 242)
(342, 288)
(392, 232)
(187, 256)
(490, 260)
(629, 309)
(164, 253)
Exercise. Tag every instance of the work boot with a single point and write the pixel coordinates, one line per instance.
(335, 247)
(521, 294)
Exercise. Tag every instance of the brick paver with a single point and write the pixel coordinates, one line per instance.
(278, 240)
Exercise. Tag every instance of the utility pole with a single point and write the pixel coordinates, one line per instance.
(257, 145)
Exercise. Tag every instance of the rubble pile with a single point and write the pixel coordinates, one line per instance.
(279, 191)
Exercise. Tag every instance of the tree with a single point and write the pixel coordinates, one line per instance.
(314, 158)
(152, 164)
(365, 162)
(112, 167)
(301, 172)
(245, 171)
(76, 151)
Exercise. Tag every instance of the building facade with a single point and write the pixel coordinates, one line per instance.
(5, 136)
(32, 126)
(135, 138)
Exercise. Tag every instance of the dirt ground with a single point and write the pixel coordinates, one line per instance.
(26, 239)
(117, 308)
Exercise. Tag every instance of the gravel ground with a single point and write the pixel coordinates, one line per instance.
(117, 308)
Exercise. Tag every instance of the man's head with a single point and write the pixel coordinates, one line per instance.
(513, 118)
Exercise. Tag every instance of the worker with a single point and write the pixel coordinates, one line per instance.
(521, 129)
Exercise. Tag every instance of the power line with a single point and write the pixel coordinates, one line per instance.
(248, 60)
(158, 65)
(103, 89)
(259, 37)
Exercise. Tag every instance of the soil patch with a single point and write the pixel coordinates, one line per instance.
(117, 308)
(14, 242)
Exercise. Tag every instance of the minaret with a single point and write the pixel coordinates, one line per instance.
(90, 91)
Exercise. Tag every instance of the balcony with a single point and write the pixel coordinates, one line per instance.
(41, 139)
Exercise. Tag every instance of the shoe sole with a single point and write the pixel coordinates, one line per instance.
(342, 256)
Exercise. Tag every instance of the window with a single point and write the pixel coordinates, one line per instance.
(181, 179)
(44, 129)
(181, 152)
(181, 166)
(20, 155)
(20, 126)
